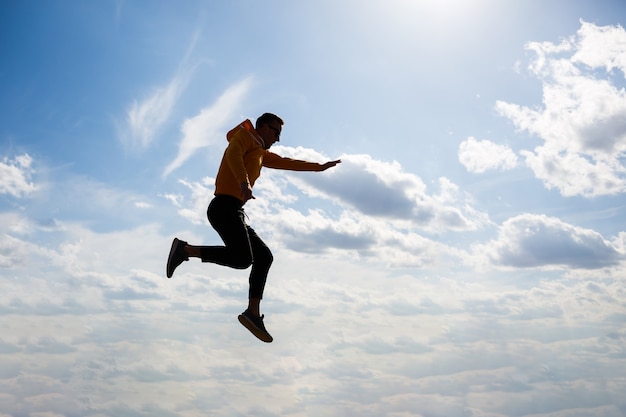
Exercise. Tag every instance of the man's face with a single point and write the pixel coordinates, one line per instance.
(270, 133)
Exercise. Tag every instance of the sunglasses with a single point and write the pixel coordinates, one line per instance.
(276, 131)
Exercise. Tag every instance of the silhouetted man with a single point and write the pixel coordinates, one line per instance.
(246, 154)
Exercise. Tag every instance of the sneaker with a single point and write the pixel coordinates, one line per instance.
(255, 325)
(177, 256)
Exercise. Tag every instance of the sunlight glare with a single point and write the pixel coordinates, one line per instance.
(455, 14)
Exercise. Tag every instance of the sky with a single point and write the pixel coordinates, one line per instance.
(466, 258)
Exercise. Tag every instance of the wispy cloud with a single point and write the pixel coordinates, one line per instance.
(144, 118)
(208, 126)
(119, 6)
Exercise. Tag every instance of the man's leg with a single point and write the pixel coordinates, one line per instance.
(227, 218)
(242, 248)
(263, 259)
(251, 318)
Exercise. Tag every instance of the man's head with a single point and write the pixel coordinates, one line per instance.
(269, 126)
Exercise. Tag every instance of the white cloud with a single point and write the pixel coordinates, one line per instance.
(386, 190)
(145, 118)
(15, 176)
(143, 205)
(482, 155)
(201, 194)
(583, 119)
(575, 173)
(535, 241)
(611, 55)
(208, 126)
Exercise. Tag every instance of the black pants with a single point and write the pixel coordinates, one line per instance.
(243, 247)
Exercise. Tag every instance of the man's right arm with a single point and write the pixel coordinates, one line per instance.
(234, 159)
(246, 191)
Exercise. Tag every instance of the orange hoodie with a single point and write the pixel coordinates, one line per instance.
(245, 156)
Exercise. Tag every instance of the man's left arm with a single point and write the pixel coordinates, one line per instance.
(272, 160)
(330, 164)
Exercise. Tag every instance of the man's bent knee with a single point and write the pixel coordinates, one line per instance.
(242, 262)
(264, 257)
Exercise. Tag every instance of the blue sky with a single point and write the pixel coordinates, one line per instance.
(465, 259)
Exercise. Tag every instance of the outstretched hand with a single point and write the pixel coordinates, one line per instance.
(330, 164)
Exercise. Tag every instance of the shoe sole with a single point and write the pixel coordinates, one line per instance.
(259, 333)
(175, 244)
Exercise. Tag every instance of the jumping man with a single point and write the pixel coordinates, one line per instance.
(247, 152)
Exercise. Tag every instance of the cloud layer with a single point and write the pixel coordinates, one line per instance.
(118, 338)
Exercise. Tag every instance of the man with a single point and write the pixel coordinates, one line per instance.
(246, 154)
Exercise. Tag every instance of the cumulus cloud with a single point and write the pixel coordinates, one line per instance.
(208, 126)
(533, 241)
(583, 119)
(386, 190)
(482, 155)
(610, 56)
(15, 176)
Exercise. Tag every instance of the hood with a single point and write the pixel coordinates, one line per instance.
(246, 124)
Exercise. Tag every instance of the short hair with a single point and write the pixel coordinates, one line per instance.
(265, 118)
